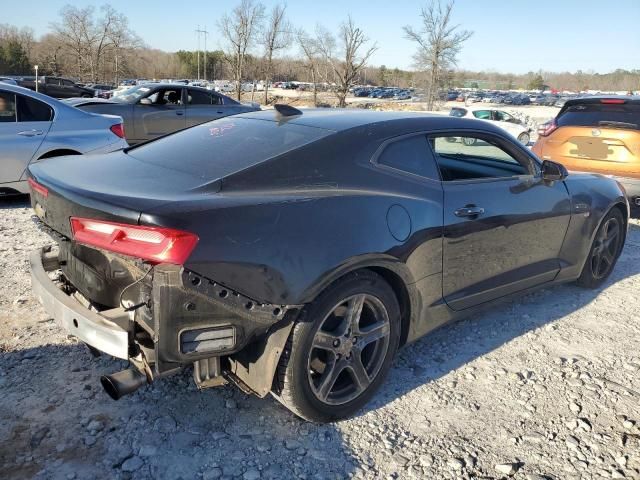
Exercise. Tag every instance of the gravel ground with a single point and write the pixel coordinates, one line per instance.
(545, 387)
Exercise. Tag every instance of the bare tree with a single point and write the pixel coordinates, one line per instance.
(439, 43)
(240, 30)
(310, 51)
(94, 42)
(346, 55)
(276, 37)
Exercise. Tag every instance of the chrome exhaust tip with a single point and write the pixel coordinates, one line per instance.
(117, 385)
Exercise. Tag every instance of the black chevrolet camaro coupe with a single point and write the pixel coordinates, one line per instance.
(294, 253)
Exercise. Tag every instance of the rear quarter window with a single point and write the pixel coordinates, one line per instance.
(601, 115)
(410, 155)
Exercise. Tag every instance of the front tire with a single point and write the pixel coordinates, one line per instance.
(605, 250)
(341, 349)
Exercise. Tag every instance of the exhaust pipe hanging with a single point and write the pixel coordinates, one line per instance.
(117, 385)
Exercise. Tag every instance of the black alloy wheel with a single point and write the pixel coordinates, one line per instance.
(348, 349)
(605, 250)
(340, 349)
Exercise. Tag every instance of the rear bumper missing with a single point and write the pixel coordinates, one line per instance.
(182, 320)
(106, 331)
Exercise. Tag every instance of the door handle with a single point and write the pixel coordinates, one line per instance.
(30, 133)
(179, 113)
(470, 211)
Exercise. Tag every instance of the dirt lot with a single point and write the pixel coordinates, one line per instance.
(547, 387)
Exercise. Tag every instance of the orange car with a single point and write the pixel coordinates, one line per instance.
(597, 134)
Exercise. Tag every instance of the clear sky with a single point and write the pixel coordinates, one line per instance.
(509, 35)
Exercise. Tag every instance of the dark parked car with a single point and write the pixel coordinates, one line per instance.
(152, 110)
(294, 253)
(57, 87)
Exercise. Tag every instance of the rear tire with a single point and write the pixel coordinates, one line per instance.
(605, 250)
(340, 350)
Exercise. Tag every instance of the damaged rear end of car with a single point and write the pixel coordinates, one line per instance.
(123, 285)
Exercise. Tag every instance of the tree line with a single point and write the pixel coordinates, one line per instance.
(98, 45)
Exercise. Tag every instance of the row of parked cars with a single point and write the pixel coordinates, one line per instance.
(509, 98)
(394, 93)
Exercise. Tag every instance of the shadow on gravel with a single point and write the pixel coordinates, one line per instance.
(56, 421)
(14, 201)
(454, 345)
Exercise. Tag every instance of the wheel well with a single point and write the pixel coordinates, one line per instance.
(623, 209)
(59, 153)
(402, 294)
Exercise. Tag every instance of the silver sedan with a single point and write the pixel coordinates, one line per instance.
(34, 127)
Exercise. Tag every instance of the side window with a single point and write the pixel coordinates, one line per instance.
(411, 155)
(503, 116)
(52, 81)
(216, 99)
(166, 97)
(67, 83)
(198, 97)
(474, 157)
(482, 114)
(30, 110)
(7, 107)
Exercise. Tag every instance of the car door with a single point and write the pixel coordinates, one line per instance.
(161, 112)
(503, 224)
(507, 122)
(54, 87)
(203, 106)
(24, 123)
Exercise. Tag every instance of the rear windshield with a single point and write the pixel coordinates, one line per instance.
(457, 112)
(225, 146)
(601, 115)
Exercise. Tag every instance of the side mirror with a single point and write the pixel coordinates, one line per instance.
(144, 101)
(553, 171)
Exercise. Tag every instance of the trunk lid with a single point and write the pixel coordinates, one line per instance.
(113, 187)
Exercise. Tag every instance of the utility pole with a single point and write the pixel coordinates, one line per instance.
(204, 70)
(198, 33)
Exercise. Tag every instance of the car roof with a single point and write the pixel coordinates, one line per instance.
(27, 91)
(171, 85)
(337, 119)
(635, 99)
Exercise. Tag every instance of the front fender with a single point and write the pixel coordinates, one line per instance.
(592, 197)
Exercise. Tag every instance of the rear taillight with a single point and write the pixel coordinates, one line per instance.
(547, 128)
(117, 129)
(154, 244)
(36, 187)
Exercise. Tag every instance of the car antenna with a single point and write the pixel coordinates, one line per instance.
(287, 110)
